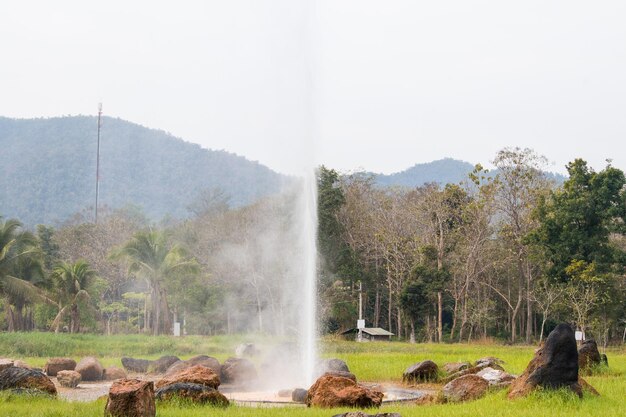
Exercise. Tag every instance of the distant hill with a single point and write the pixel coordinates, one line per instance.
(47, 169)
(443, 171)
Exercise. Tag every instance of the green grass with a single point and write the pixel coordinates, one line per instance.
(369, 361)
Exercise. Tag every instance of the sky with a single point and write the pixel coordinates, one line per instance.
(352, 84)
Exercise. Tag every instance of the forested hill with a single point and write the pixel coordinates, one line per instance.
(47, 170)
(443, 171)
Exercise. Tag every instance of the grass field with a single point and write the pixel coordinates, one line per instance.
(369, 361)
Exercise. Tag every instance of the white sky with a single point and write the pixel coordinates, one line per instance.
(379, 85)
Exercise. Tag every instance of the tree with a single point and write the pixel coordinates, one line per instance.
(74, 283)
(152, 258)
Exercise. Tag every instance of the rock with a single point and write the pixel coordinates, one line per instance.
(362, 414)
(89, 369)
(489, 362)
(13, 378)
(298, 395)
(131, 398)
(112, 373)
(588, 356)
(342, 374)
(421, 371)
(160, 365)
(238, 371)
(465, 388)
(5, 363)
(136, 365)
(454, 367)
(246, 350)
(203, 360)
(196, 393)
(69, 379)
(54, 365)
(495, 377)
(328, 365)
(197, 374)
(332, 391)
(555, 365)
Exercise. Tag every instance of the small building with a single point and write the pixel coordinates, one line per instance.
(369, 334)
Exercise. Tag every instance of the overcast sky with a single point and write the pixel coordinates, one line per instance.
(379, 85)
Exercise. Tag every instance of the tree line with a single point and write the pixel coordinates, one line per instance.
(496, 256)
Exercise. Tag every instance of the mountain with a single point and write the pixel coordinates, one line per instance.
(48, 166)
(443, 171)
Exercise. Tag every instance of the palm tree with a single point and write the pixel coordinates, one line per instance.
(152, 258)
(74, 282)
(20, 269)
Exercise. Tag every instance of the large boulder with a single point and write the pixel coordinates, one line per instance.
(421, 372)
(54, 365)
(68, 379)
(160, 365)
(465, 388)
(112, 373)
(90, 369)
(238, 371)
(196, 393)
(14, 378)
(203, 360)
(298, 395)
(555, 365)
(588, 356)
(195, 375)
(131, 398)
(136, 365)
(332, 391)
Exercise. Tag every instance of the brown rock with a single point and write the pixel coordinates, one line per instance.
(68, 379)
(112, 373)
(203, 360)
(420, 372)
(196, 393)
(89, 369)
(465, 388)
(331, 391)
(5, 363)
(195, 375)
(55, 365)
(342, 374)
(131, 398)
(21, 378)
(238, 371)
(454, 367)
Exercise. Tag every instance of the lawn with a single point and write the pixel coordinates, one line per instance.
(369, 361)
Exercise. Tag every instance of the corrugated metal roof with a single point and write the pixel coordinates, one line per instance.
(372, 331)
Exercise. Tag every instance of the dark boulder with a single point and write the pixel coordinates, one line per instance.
(90, 369)
(238, 371)
(136, 365)
(203, 360)
(160, 365)
(14, 378)
(420, 372)
(555, 365)
(195, 375)
(333, 364)
(54, 365)
(131, 398)
(331, 391)
(298, 395)
(588, 356)
(465, 388)
(197, 393)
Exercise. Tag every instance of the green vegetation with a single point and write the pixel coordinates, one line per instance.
(369, 361)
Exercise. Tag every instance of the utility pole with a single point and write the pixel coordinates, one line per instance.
(98, 160)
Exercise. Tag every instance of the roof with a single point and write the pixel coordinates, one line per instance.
(372, 331)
